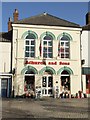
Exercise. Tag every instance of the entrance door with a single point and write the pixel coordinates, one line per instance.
(4, 86)
(65, 81)
(30, 83)
(47, 86)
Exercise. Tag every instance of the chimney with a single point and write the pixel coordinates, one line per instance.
(15, 15)
(88, 18)
(9, 24)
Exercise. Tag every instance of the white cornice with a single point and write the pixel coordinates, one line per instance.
(46, 27)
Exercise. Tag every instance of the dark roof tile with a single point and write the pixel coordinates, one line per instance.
(46, 19)
(6, 36)
(86, 27)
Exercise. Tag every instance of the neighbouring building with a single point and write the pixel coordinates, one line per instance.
(5, 64)
(45, 55)
(85, 41)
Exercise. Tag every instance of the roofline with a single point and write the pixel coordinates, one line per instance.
(47, 27)
(86, 30)
(5, 41)
(45, 14)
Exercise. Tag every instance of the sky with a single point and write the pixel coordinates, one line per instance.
(71, 11)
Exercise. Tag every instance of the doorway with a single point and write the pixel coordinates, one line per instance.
(4, 87)
(65, 81)
(47, 85)
(29, 85)
(30, 82)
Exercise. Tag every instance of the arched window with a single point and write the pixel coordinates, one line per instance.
(64, 47)
(47, 46)
(30, 45)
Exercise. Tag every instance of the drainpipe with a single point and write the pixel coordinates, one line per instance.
(81, 61)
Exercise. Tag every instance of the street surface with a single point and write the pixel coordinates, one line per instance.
(45, 108)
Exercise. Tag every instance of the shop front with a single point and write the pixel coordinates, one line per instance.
(49, 80)
(86, 80)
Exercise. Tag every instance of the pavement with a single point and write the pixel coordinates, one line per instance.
(46, 108)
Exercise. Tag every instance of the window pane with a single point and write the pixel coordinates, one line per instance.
(50, 55)
(27, 48)
(48, 37)
(45, 42)
(27, 42)
(62, 55)
(50, 91)
(49, 49)
(32, 42)
(32, 49)
(26, 54)
(49, 43)
(50, 83)
(30, 36)
(44, 82)
(31, 54)
(66, 49)
(62, 43)
(65, 37)
(45, 55)
(44, 49)
(62, 49)
(67, 55)
(45, 91)
(67, 44)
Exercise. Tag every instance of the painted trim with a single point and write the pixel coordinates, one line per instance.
(47, 68)
(26, 33)
(28, 68)
(64, 68)
(64, 33)
(45, 33)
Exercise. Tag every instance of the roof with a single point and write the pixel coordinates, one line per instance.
(46, 19)
(6, 36)
(86, 27)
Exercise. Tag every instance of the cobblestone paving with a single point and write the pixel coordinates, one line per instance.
(45, 108)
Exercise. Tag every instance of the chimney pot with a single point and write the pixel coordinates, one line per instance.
(10, 19)
(9, 24)
(15, 15)
(16, 11)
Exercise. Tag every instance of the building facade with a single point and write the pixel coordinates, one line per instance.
(5, 64)
(46, 56)
(85, 41)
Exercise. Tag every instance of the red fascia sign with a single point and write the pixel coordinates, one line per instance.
(35, 63)
(44, 63)
(64, 63)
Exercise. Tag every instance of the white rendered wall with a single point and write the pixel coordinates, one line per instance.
(85, 47)
(19, 50)
(5, 57)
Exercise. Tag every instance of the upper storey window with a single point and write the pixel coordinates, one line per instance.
(30, 45)
(64, 47)
(47, 46)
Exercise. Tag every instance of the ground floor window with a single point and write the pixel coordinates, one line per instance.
(88, 84)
